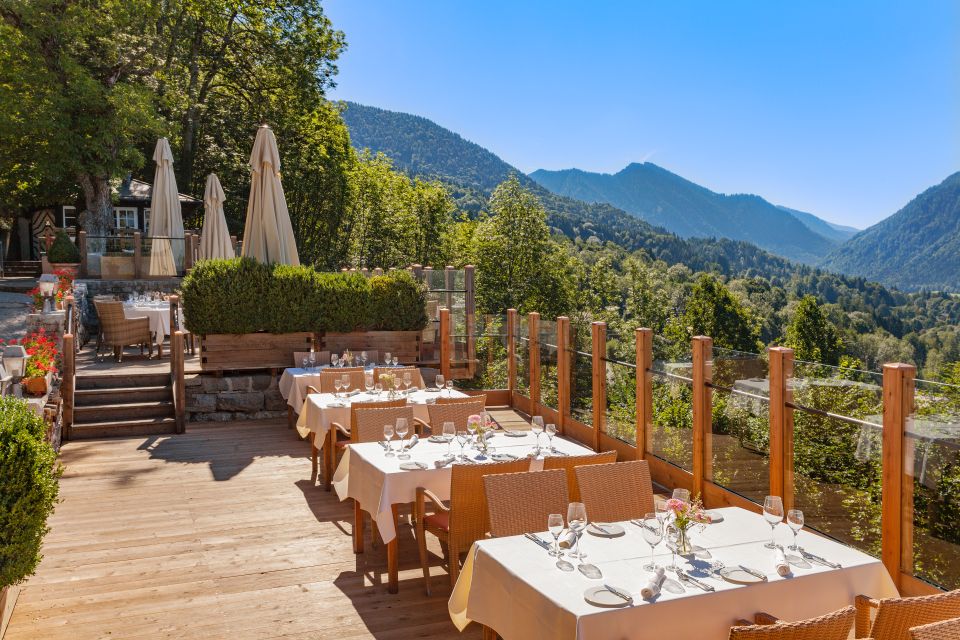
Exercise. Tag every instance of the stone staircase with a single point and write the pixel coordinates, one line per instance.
(131, 404)
(22, 269)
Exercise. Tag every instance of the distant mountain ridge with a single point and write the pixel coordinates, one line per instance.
(918, 247)
(667, 200)
(837, 232)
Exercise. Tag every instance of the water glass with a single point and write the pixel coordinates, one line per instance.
(439, 382)
(551, 430)
(555, 527)
(449, 433)
(577, 522)
(407, 380)
(345, 382)
(313, 359)
(334, 360)
(449, 387)
(363, 358)
(795, 522)
(652, 529)
(306, 361)
(462, 439)
(337, 385)
(368, 382)
(402, 428)
(683, 495)
(386, 358)
(536, 425)
(773, 514)
(388, 436)
(396, 361)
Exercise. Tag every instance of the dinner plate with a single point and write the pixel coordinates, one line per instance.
(736, 575)
(601, 597)
(715, 516)
(429, 390)
(502, 457)
(515, 434)
(437, 439)
(610, 530)
(412, 466)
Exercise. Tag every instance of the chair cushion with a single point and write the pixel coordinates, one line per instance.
(437, 521)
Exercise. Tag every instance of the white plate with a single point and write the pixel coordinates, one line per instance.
(715, 516)
(736, 575)
(515, 434)
(412, 466)
(611, 530)
(437, 439)
(600, 597)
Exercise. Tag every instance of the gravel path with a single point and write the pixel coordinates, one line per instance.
(14, 308)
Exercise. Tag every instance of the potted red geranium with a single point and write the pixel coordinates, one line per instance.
(41, 364)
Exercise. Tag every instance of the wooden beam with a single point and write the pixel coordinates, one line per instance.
(898, 388)
(644, 391)
(512, 351)
(445, 343)
(533, 353)
(702, 410)
(563, 372)
(781, 425)
(599, 354)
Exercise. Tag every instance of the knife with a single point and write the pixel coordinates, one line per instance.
(754, 573)
(617, 592)
(602, 528)
(537, 540)
(810, 556)
(689, 578)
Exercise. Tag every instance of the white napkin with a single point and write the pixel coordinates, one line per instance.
(652, 588)
(568, 540)
(780, 560)
(414, 440)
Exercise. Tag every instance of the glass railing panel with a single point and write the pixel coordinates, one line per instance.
(523, 356)
(163, 256)
(548, 363)
(581, 371)
(485, 365)
(931, 485)
(672, 432)
(621, 401)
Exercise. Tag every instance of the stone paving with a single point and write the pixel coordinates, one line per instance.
(14, 308)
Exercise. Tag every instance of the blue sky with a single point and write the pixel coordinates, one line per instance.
(844, 109)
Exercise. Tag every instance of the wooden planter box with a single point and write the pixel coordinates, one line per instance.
(405, 345)
(220, 352)
(8, 599)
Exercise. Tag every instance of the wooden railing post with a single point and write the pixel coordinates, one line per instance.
(533, 331)
(598, 359)
(702, 410)
(68, 383)
(470, 310)
(781, 425)
(563, 372)
(512, 352)
(898, 389)
(137, 252)
(187, 252)
(82, 246)
(445, 343)
(644, 380)
(177, 365)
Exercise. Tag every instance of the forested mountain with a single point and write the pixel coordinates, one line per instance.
(839, 233)
(918, 247)
(667, 200)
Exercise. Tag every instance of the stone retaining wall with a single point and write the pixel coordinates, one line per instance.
(212, 398)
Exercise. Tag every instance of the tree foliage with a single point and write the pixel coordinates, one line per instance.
(812, 336)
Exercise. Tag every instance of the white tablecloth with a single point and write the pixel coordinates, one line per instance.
(512, 586)
(295, 380)
(159, 317)
(321, 409)
(377, 482)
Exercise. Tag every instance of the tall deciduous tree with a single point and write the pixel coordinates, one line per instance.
(812, 336)
(713, 311)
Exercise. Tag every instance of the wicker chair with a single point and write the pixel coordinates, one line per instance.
(416, 376)
(448, 400)
(617, 491)
(520, 502)
(896, 616)
(832, 626)
(462, 522)
(946, 630)
(329, 376)
(455, 413)
(322, 357)
(569, 463)
(118, 331)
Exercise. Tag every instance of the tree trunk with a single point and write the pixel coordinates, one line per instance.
(97, 220)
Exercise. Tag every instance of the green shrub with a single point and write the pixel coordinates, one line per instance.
(63, 250)
(28, 489)
(242, 295)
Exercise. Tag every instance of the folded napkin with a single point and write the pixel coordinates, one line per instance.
(652, 589)
(413, 442)
(568, 539)
(780, 561)
(353, 393)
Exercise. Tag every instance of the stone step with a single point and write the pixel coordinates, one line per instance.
(120, 412)
(121, 380)
(124, 395)
(123, 428)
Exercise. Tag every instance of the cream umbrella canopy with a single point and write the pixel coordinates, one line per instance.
(215, 237)
(166, 221)
(268, 234)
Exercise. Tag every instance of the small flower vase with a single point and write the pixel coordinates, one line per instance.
(684, 545)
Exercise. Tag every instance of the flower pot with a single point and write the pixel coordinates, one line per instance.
(73, 268)
(35, 386)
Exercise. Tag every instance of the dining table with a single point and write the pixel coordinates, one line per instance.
(158, 313)
(378, 485)
(294, 381)
(514, 587)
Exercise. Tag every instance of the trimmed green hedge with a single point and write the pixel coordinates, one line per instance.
(28, 489)
(242, 295)
(63, 250)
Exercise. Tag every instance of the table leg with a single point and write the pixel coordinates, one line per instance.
(357, 527)
(393, 561)
(329, 458)
(291, 417)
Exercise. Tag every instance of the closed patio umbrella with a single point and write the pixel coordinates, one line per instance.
(166, 221)
(268, 234)
(215, 237)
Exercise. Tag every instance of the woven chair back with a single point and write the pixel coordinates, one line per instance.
(896, 616)
(455, 413)
(469, 520)
(116, 328)
(368, 423)
(416, 378)
(329, 376)
(617, 491)
(520, 502)
(946, 630)
(569, 463)
(833, 626)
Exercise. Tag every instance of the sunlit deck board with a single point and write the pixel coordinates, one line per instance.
(133, 362)
(215, 533)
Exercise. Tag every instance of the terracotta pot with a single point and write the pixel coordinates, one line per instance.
(36, 386)
(73, 268)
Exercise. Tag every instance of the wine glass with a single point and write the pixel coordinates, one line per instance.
(577, 522)
(345, 382)
(378, 387)
(402, 428)
(313, 360)
(396, 361)
(337, 384)
(673, 539)
(363, 358)
(334, 360)
(368, 381)
(536, 425)
(795, 522)
(773, 514)
(388, 435)
(386, 358)
(551, 430)
(472, 429)
(439, 382)
(449, 433)
(683, 495)
(306, 361)
(449, 387)
(396, 383)
(462, 439)
(652, 529)
(555, 527)
(660, 507)
(407, 380)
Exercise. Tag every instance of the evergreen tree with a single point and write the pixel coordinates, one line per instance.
(812, 336)
(713, 311)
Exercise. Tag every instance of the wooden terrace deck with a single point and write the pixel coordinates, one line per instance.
(216, 533)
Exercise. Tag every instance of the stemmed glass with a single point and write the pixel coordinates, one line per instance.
(402, 429)
(407, 380)
(396, 383)
(795, 522)
(673, 539)
(773, 514)
(577, 522)
(334, 360)
(368, 382)
(449, 387)
(449, 433)
(472, 429)
(555, 527)
(313, 360)
(462, 439)
(337, 385)
(388, 435)
(345, 382)
(363, 358)
(306, 361)
(660, 507)
(551, 430)
(439, 382)
(386, 358)
(378, 387)
(396, 361)
(536, 425)
(653, 533)
(683, 495)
